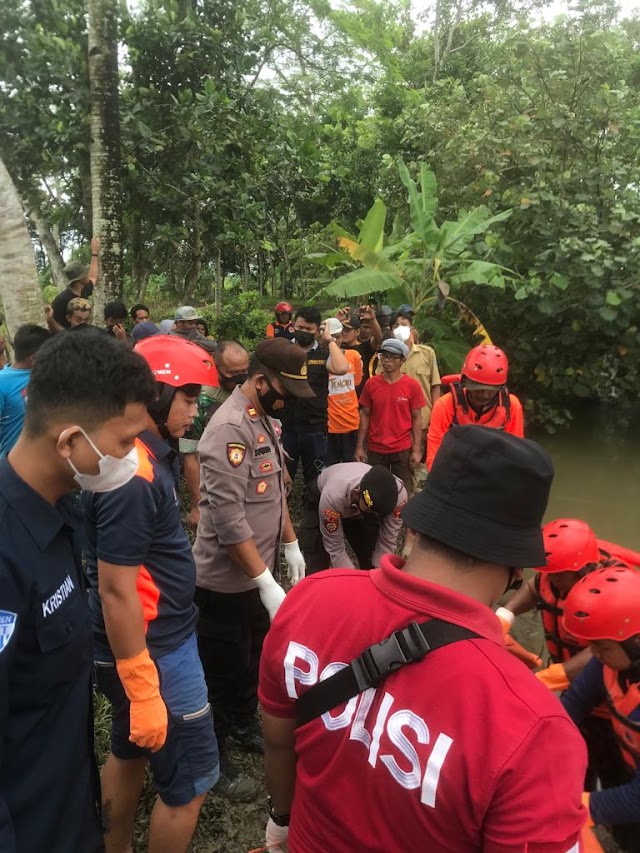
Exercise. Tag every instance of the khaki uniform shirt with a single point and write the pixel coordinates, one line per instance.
(241, 493)
(336, 484)
(423, 366)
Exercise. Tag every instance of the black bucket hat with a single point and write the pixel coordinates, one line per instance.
(485, 496)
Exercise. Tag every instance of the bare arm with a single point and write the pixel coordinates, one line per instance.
(363, 431)
(122, 609)
(524, 599)
(435, 393)
(416, 436)
(247, 557)
(94, 266)
(280, 760)
(192, 479)
(51, 323)
(337, 363)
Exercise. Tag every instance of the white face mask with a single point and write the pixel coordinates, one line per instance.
(113, 473)
(402, 333)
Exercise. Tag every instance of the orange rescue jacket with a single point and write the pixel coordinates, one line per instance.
(622, 702)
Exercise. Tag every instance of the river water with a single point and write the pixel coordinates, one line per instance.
(597, 463)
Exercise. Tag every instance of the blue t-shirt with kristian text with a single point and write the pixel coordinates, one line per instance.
(13, 397)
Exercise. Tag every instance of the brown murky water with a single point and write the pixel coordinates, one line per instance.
(597, 462)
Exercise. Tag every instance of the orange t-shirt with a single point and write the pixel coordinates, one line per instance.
(344, 415)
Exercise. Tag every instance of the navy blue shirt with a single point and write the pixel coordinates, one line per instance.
(139, 525)
(612, 805)
(49, 789)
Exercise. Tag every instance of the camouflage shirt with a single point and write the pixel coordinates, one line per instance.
(209, 402)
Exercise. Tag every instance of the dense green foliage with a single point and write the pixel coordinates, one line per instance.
(249, 128)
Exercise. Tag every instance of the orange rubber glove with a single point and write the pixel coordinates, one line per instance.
(586, 797)
(506, 618)
(148, 713)
(554, 677)
(527, 657)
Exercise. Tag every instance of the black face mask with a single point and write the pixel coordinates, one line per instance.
(230, 382)
(304, 339)
(272, 401)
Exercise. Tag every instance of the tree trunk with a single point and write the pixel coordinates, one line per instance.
(219, 283)
(193, 273)
(19, 288)
(50, 245)
(106, 190)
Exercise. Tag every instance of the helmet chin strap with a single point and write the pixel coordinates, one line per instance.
(513, 584)
(159, 409)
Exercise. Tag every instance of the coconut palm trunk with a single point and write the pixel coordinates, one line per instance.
(106, 190)
(19, 287)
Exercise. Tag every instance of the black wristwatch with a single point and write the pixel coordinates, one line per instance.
(278, 819)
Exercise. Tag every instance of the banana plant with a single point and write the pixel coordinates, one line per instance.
(422, 263)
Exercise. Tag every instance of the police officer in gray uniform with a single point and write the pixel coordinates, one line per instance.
(356, 503)
(243, 518)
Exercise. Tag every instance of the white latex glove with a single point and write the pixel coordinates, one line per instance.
(295, 561)
(271, 593)
(276, 835)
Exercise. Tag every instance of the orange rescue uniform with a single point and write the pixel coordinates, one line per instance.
(447, 412)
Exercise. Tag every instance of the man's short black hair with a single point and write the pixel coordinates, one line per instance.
(458, 558)
(88, 379)
(28, 340)
(138, 307)
(115, 311)
(309, 314)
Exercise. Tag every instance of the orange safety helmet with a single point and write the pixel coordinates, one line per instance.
(570, 545)
(175, 362)
(486, 365)
(604, 605)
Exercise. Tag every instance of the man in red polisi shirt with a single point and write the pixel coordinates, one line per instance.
(462, 750)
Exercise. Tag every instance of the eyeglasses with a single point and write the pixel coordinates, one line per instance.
(388, 355)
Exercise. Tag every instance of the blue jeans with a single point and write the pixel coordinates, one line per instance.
(188, 763)
(308, 447)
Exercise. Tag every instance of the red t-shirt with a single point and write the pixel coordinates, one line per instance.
(391, 404)
(465, 751)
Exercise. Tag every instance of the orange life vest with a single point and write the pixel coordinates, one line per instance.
(562, 646)
(622, 703)
(464, 414)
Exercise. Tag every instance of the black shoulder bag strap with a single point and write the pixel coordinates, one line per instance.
(370, 668)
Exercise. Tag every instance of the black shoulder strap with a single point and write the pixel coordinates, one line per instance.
(371, 667)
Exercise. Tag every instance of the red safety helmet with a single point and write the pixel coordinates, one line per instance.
(486, 365)
(283, 308)
(176, 361)
(604, 605)
(570, 545)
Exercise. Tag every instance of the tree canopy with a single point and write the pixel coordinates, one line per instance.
(249, 131)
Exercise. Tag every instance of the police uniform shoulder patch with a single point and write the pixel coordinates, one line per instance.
(331, 520)
(253, 413)
(236, 453)
(261, 488)
(7, 627)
